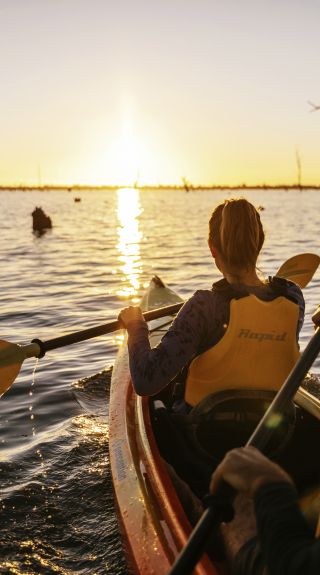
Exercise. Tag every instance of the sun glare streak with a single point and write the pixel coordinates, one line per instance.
(127, 157)
(129, 238)
(130, 153)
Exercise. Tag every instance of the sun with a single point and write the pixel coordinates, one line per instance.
(127, 153)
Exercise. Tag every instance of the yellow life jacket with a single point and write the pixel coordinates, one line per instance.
(258, 349)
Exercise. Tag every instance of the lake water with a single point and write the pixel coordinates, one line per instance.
(56, 502)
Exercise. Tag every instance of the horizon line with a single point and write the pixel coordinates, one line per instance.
(186, 188)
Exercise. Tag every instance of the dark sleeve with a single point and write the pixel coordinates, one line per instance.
(287, 543)
(152, 369)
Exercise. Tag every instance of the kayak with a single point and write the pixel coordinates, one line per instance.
(153, 522)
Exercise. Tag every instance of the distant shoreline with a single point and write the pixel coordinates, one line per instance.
(78, 188)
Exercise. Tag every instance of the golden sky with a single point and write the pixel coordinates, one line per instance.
(113, 91)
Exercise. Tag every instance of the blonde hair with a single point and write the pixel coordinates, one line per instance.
(236, 231)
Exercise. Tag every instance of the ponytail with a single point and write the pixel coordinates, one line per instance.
(236, 231)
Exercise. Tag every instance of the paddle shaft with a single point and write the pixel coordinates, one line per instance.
(103, 329)
(286, 393)
(210, 519)
(192, 552)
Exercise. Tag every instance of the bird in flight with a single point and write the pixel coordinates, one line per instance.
(314, 107)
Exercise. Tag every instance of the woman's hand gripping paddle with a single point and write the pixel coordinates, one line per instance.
(299, 269)
(13, 355)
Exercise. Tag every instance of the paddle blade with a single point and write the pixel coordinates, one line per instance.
(11, 359)
(299, 269)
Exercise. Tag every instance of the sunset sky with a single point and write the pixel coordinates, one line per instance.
(110, 91)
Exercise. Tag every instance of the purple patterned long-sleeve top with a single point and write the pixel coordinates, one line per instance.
(198, 326)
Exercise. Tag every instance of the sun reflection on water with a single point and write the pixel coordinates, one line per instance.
(129, 238)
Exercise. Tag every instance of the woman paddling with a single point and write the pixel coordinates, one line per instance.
(241, 333)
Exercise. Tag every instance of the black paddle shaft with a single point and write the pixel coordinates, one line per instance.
(263, 431)
(103, 329)
(212, 517)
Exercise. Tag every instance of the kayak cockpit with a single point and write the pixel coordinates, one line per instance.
(195, 443)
